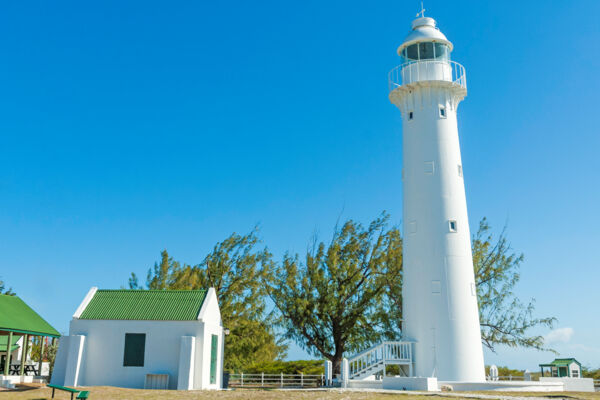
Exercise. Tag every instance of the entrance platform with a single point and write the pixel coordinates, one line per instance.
(433, 385)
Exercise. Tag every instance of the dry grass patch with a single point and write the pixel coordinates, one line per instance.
(31, 392)
(37, 392)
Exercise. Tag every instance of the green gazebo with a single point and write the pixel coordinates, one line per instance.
(17, 319)
(563, 368)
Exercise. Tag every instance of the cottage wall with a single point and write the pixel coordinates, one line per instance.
(102, 359)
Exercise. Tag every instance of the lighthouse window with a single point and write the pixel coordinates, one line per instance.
(426, 51)
(412, 227)
(460, 170)
(412, 53)
(441, 51)
(429, 167)
(452, 226)
(410, 115)
(442, 112)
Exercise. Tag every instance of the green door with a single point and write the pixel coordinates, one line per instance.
(562, 371)
(213, 358)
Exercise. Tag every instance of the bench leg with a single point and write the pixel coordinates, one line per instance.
(72, 395)
(52, 392)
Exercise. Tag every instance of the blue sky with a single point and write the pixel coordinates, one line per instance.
(131, 127)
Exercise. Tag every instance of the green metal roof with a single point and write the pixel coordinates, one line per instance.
(16, 316)
(4, 342)
(157, 305)
(561, 362)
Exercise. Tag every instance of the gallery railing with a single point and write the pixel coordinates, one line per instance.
(428, 70)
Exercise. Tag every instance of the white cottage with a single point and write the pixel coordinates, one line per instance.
(168, 339)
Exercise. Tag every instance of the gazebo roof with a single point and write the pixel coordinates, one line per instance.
(16, 316)
(561, 362)
(4, 342)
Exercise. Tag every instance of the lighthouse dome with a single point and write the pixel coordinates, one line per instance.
(424, 30)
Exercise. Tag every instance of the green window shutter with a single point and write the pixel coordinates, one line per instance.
(135, 346)
(213, 359)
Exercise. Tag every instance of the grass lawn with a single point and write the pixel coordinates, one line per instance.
(36, 392)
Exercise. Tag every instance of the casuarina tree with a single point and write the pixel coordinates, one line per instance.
(334, 300)
(235, 269)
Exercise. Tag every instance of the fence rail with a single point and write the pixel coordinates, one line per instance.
(276, 380)
(509, 378)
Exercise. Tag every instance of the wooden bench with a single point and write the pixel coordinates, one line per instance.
(66, 389)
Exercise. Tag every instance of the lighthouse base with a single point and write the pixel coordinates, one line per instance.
(433, 385)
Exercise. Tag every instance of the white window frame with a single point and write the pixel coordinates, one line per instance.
(442, 111)
(452, 229)
(429, 167)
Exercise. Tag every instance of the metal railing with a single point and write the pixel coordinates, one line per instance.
(428, 70)
(378, 356)
(508, 378)
(243, 380)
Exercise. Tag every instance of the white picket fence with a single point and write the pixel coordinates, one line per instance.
(243, 380)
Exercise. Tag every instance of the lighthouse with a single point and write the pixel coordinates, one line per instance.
(440, 312)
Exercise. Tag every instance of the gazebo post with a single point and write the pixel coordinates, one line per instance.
(41, 355)
(24, 350)
(8, 346)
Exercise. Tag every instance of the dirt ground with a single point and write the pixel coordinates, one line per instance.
(37, 392)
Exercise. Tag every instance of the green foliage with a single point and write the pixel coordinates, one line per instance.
(587, 372)
(4, 290)
(505, 371)
(505, 320)
(306, 367)
(50, 349)
(335, 301)
(235, 269)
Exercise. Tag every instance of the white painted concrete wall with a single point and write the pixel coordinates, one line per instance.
(187, 363)
(440, 303)
(573, 384)
(408, 383)
(73, 364)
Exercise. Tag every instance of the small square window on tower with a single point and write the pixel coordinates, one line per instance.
(460, 170)
(442, 112)
(452, 226)
(412, 227)
(410, 115)
(429, 167)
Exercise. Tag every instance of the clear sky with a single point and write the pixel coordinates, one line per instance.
(131, 127)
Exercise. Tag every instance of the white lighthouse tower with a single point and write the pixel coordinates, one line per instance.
(440, 300)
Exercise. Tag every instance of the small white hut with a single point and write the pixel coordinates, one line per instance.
(155, 339)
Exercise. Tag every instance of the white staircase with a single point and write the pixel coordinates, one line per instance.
(374, 359)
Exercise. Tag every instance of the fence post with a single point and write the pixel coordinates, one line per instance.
(510, 377)
(242, 379)
(262, 379)
(301, 379)
(322, 380)
(281, 384)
